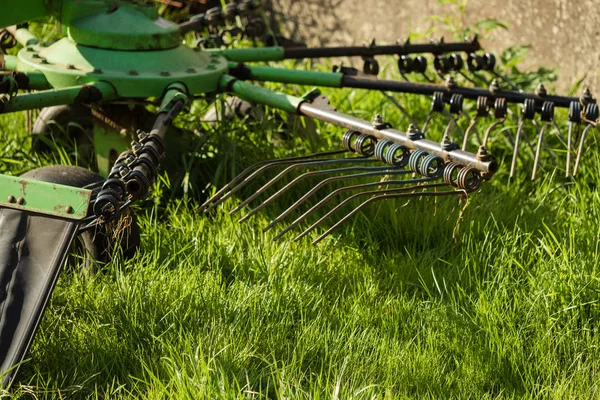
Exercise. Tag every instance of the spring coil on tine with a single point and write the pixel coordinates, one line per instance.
(419, 64)
(461, 177)
(432, 166)
(437, 102)
(482, 106)
(397, 155)
(591, 112)
(500, 108)
(528, 109)
(456, 103)
(456, 62)
(475, 62)
(348, 140)
(380, 149)
(414, 160)
(489, 61)
(442, 64)
(449, 171)
(365, 145)
(547, 111)
(468, 179)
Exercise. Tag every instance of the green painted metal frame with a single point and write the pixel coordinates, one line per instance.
(43, 197)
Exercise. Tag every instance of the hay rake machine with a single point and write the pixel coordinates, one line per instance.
(119, 56)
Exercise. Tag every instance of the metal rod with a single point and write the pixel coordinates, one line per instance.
(385, 196)
(91, 93)
(220, 193)
(335, 193)
(279, 53)
(306, 164)
(373, 171)
(456, 156)
(466, 92)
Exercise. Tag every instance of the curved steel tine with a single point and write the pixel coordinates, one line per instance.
(545, 144)
(260, 171)
(580, 149)
(467, 78)
(324, 182)
(280, 192)
(508, 81)
(385, 196)
(453, 121)
(489, 130)
(427, 121)
(370, 192)
(538, 150)
(569, 145)
(477, 135)
(513, 164)
(559, 132)
(344, 189)
(294, 166)
(399, 106)
(251, 168)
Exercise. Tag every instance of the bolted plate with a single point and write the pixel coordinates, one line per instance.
(133, 73)
(44, 197)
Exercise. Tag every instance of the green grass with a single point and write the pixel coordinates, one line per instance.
(402, 302)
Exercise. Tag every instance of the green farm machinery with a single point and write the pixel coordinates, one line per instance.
(118, 58)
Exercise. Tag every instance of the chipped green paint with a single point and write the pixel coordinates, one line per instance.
(44, 197)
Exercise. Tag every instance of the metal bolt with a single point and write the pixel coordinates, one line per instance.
(11, 199)
(495, 86)
(70, 66)
(133, 72)
(483, 155)
(69, 210)
(191, 70)
(97, 71)
(541, 91)
(165, 73)
(20, 201)
(450, 82)
(448, 144)
(414, 133)
(378, 121)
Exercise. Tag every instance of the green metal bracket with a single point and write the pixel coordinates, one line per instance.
(43, 197)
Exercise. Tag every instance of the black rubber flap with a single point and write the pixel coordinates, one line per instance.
(33, 248)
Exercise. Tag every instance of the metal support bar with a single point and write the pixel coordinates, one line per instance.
(43, 197)
(257, 94)
(466, 92)
(339, 80)
(279, 53)
(92, 93)
(23, 36)
(267, 74)
(456, 156)
(293, 104)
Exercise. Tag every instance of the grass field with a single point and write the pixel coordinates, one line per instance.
(405, 301)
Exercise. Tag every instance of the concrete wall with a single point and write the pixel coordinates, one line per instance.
(564, 34)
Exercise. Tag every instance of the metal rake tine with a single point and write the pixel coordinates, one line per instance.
(580, 149)
(545, 144)
(569, 146)
(297, 179)
(538, 150)
(248, 170)
(400, 107)
(354, 196)
(513, 164)
(294, 166)
(385, 196)
(327, 181)
(344, 189)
